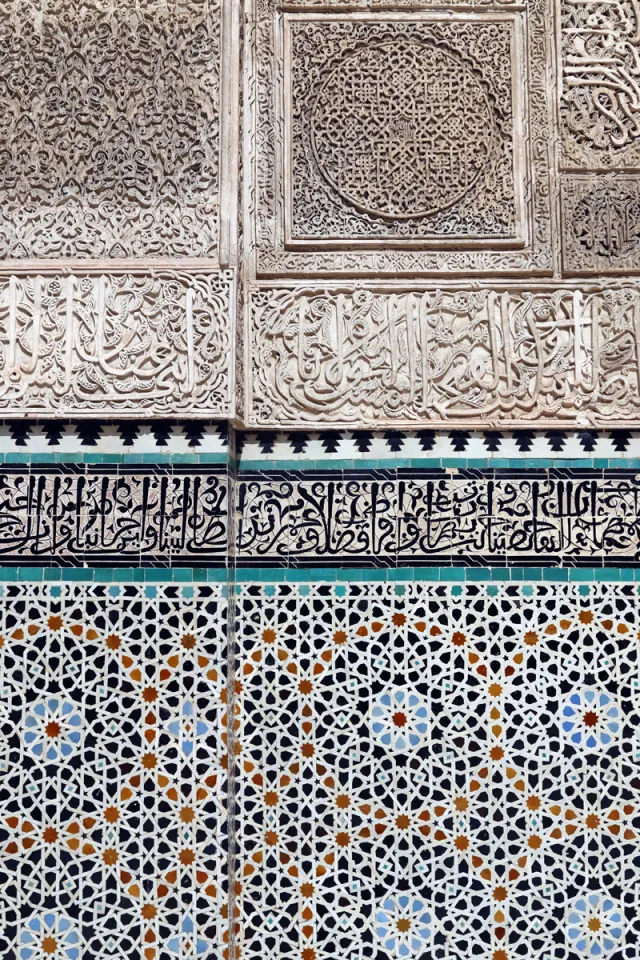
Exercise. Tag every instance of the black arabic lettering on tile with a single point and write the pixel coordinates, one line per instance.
(70, 514)
(407, 517)
(138, 515)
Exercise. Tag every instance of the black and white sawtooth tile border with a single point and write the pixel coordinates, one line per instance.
(184, 436)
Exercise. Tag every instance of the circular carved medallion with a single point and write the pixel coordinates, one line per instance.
(402, 129)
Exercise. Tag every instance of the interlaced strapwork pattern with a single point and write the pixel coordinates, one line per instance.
(112, 772)
(403, 129)
(440, 771)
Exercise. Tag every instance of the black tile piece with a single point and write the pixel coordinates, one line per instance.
(298, 441)
(524, 440)
(20, 431)
(330, 441)
(460, 440)
(222, 429)
(89, 432)
(427, 439)
(241, 439)
(621, 439)
(53, 431)
(266, 441)
(193, 431)
(161, 430)
(556, 439)
(362, 440)
(492, 440)
(587, 440)
(128, 432)
(395, 440)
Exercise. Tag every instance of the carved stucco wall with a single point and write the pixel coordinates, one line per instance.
(437, 244)
(438, 219)
(117, 291)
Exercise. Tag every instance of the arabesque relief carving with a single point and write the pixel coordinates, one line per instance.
(600, 103)
(398, 142)
(109, 128)
(443, 151)
(443, 356)
(402, 130)
(125, 344)
(601, 219)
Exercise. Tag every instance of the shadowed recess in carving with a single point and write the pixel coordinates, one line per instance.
(600, 104)
(121, 342)
(403, 128)
(444, 356)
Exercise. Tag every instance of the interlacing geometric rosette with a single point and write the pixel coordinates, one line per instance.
(439, 771)
(112, 771)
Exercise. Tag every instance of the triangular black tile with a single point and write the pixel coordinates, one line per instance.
(88, 431)
(524, 440)
(587, 439)
(161, 430)
(427, 439)
(492, 440)
(222, 429)
(193, 431)
(20, 431)
(556, 439)
(362, 440)
(266, 441)
(128, 432)
(53, 430)
(621, 439)
(395, 440)
(459, 440)
(330, 441)
(298, 441)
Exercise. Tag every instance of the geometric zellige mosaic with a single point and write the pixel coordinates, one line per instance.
(112, 771)
(438, 771)
(423, 770)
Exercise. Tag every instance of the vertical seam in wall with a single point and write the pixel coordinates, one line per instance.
(229, 132)
(232, 472)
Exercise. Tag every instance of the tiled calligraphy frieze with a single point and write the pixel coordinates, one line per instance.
(135, 515)
(463, 517)
(113, 515)
(443, 356)
(110, 129)
(155, 344)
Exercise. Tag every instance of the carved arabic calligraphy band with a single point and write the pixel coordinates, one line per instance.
(444, 356)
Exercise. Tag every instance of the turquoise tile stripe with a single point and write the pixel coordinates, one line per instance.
(444, 463)
(388, 463)
(322, 574)
(115, 574)
(440, 574)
